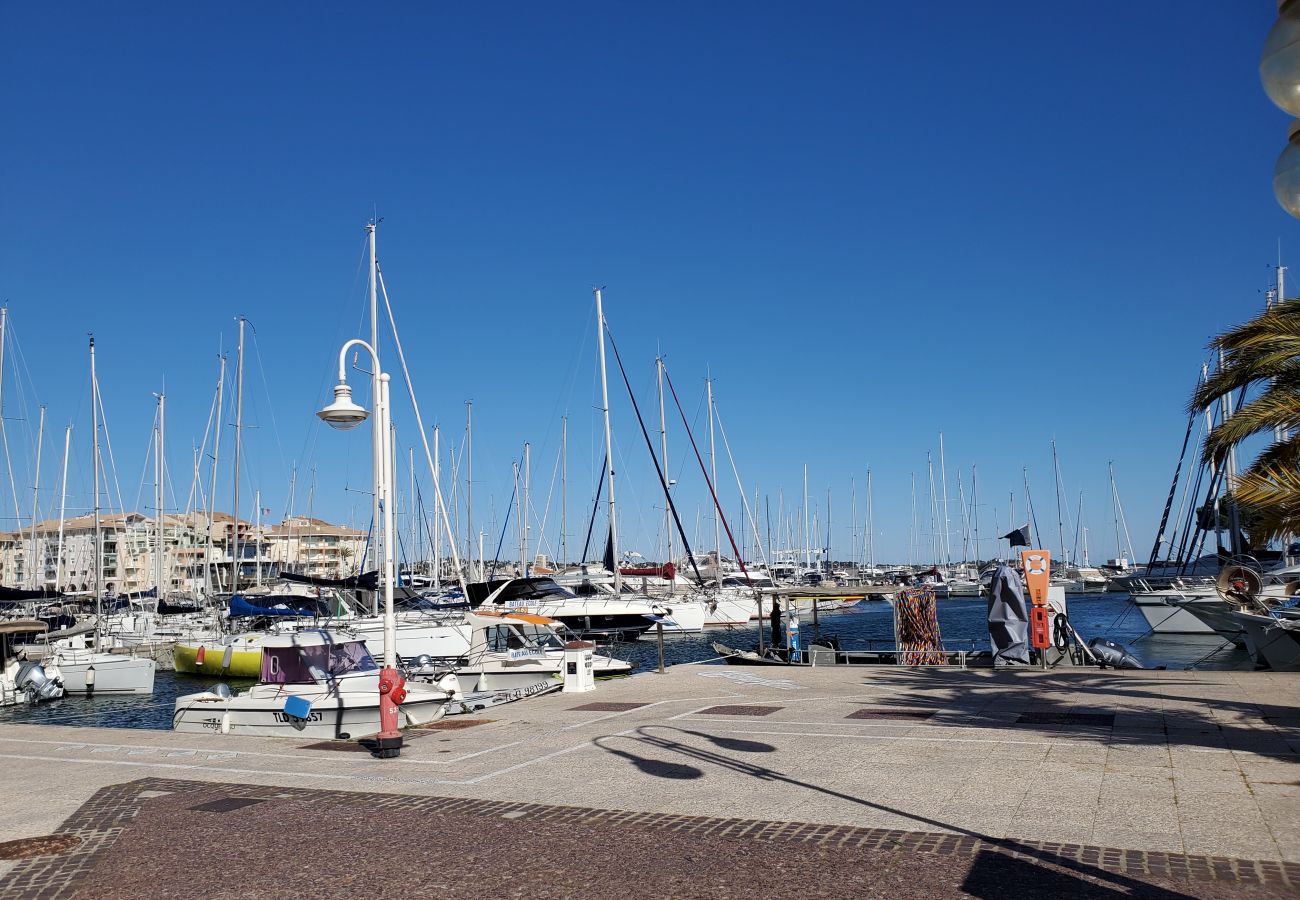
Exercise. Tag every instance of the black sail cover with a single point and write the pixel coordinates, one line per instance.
(1008, 618)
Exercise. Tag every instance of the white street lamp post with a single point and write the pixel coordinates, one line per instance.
(344, 414)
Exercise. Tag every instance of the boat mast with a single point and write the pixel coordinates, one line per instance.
(609, 442)
(257, 532)
(4, 433)
(975, 510)
(663, 453)
(871, 528)
(469, 487)
(63, 509)
(564, 490)
(519, 519)
(528, 475)
(99, 543)
(713, 465)
(36, 493)
(912, 536)
(807, 539)
(237, 561)
(160, 475)
(936, 546)
(1060, 527)
(943, 481)
(437, 519)
(212, 494)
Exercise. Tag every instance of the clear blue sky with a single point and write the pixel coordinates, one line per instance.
(871, 222)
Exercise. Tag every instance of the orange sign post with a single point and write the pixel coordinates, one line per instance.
(1038, 574)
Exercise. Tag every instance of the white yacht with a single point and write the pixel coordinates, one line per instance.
(314, 684)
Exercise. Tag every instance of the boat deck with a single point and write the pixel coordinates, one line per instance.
(1094, 782)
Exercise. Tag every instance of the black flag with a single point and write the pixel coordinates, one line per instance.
(1019, 537)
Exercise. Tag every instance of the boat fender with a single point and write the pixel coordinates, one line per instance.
(200, 655)
(228, 656)
(792, 631)
(225, 722)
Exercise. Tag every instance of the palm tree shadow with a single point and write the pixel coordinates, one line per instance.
(1030, 865)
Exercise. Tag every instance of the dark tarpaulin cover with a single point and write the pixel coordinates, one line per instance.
(366, 581)
(1008, 618)
(285, 605)
(13, 594)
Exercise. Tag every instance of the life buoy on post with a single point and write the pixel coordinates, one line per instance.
(1038, 574)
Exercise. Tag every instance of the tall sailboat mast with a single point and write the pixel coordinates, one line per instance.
(807, 539)
(975, 509)
(609, 443)
(713, 465)
(469, 487)
(564, 491)
(1060, 525)
(528, 475)
(160, 477)
(663, 454)
(36, 494)
(943, 483)
(4, 433)
(212, 492)
(237, 559)
(437, 519)
(94, 464)
(871, 528)
(63, 509)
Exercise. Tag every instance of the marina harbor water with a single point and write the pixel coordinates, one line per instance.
(867, 625)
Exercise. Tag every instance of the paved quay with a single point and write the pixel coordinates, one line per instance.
(708, 780)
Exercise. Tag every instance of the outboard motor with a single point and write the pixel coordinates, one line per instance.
(1117, 656)
(32, 679)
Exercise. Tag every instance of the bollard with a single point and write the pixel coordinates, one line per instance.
(659, 637)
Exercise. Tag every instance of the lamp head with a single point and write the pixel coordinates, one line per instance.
(343, 413)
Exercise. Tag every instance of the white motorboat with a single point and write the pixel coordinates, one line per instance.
(607, 616)
(1273, 640)
(314, 684)
(509, 650)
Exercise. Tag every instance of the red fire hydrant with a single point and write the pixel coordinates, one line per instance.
(392, 691)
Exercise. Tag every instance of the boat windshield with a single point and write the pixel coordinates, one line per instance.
(542, 636)
(533, 590)
(319, 662)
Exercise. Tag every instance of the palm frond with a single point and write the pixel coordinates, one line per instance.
(1272, 498)
(1278, 455)
(1243, 371)
(1277, 407)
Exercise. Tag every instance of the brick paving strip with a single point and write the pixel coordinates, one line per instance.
(279, 823)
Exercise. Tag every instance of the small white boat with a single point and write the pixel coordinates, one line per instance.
(314, 684)
(510, 651)
(25, 680)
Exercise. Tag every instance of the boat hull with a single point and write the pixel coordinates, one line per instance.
(114, 673)
(331, 718)
(1163, 618)
(244, 663)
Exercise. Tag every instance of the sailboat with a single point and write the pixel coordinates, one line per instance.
(82, 663)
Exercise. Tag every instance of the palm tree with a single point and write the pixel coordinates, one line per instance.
(1263, 353)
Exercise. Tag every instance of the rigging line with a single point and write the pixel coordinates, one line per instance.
(148, 459)
(595, 506)
(717, 417)
(659, 472)
(419, 422)
(270, 407)
(108, 444)
(505, 525)
(550, 492)
(1173, 491)
(717, 506)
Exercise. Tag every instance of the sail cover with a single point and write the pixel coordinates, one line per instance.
(282, 605)
(1008, 618)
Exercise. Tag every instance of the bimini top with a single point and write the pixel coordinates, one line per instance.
(23, 626)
